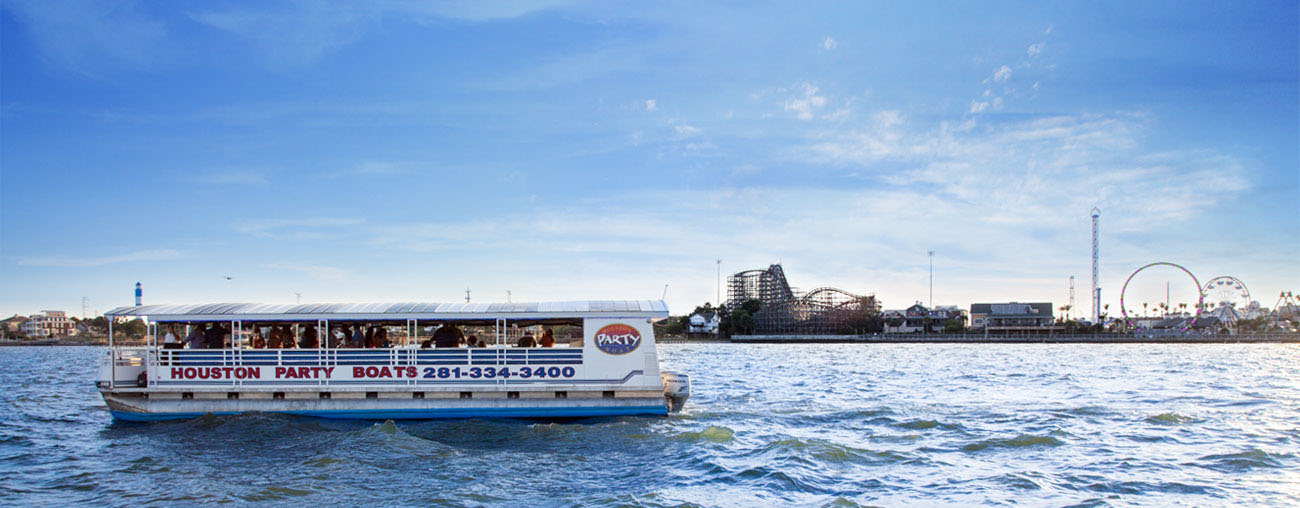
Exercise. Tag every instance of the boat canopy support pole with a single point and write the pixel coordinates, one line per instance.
(112, 357)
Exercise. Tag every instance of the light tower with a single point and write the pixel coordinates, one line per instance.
(1070, 306)
(1096, 291)
(931, 280)
(139, 294)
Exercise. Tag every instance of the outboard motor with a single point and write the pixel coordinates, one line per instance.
(677, 388)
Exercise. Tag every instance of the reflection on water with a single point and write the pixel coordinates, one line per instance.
(837, 425)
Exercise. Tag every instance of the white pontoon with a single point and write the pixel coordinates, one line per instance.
(610, 367)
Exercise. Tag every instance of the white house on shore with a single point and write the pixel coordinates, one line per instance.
(703, 323)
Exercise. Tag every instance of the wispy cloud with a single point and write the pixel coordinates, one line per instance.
(90, 37)
(305, 229)
(234, 178)
(829, 43)
(301, 32)
(82, 262)
(316, 271)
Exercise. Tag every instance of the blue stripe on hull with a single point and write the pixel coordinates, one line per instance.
(426, 414)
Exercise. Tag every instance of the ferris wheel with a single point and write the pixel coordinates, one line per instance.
(1226, 292)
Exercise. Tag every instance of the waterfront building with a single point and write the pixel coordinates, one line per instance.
(10, 327)
(704, 323)
(49, 323)
(915, 319)
(1013, 317)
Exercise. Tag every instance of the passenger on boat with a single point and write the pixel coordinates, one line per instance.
(370, 337)
(474, 342)
(548, 338)
(169, 341)
(287, 340)
(358, 338)
(527, 341)
(274, 339)
(214, 337)
(309, 338)
(381, 338)
(255, 338)
(195, 339)
(338, 337)
(448, 335)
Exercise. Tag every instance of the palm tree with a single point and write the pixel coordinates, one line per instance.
(1144, 309)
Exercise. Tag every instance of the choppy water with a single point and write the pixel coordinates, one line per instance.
(828, 425)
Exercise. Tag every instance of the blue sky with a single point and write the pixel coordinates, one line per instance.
(395, 151)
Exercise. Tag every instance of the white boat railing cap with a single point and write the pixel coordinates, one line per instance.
(390, 311)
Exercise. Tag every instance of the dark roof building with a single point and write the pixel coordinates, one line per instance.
(1012, 316)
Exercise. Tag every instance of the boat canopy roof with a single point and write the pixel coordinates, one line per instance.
(534, 311)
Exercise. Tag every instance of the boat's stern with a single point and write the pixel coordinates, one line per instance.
(677, 388)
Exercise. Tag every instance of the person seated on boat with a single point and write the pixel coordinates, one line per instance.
(309, 338)
(428, 343)
(527, 341)
(370, 337)
(548, 338)
(170, 341)
(195, 338)
(338, 337)
(381, 338)
(473, 341)
(287, 339)
(255, 338)
(448, 335)
(274, 339)
(214, 337)
(358, 339)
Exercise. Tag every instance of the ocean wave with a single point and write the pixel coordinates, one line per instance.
(1243, 461)
(712, 433)
(1021, 441)
(1169, 419)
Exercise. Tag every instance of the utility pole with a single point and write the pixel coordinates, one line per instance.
(718, 303)
(466, 295)
(85, 302)
(931, 280)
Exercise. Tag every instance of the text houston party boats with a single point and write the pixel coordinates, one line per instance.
(602, 361)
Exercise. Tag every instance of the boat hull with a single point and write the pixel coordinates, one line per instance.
(135, 408)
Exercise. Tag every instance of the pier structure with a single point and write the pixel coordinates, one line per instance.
(786, 310)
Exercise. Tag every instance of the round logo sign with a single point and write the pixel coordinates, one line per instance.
(618, 339)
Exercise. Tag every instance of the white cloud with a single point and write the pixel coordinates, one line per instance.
(650, 105)
(1034, 50)
(805, 105)
(1002, 74)
(829, 43)
(76, 262)
(686, 131)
